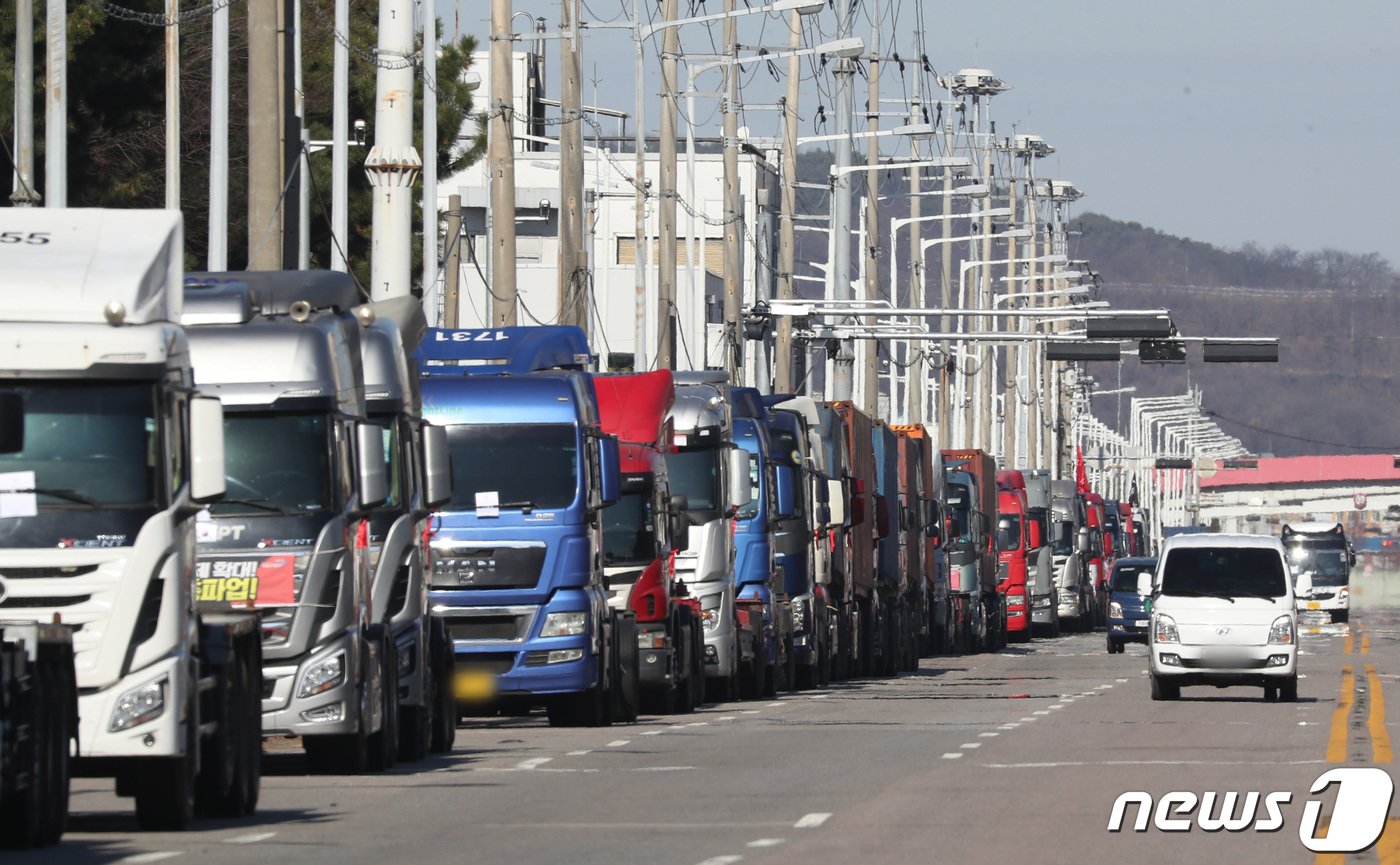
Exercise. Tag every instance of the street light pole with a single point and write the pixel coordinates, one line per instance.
(573, 267)
(839, 274)
(787, 251)
(666, 209)
(731, 343)
(869, 354)
(500, 143)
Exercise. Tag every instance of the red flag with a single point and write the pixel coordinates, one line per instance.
(1081, 477)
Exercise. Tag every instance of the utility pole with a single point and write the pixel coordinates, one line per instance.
(24, 194)
(393, 162)
(172, 104)
(340, 138)
(943, 402)
(640, 245)
(573, 263)
(454, 260)
(917, 385)
(839, 273)
(501, 156)
(56, 110)
(264, 153)
(733, 218)
(787, 250)
(869, 348)
(218, 143)
(289, 129)
(666, 210)
(430, 153)
(1011, 407)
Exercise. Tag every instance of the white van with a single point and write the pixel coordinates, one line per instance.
(1223, 613)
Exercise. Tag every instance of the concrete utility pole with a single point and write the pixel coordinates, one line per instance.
(733, 217)
(573, 262)
(217, 259)
(56, 111)
(172, 105)
(431, 237)
(640, 245)
(393, 163)
(839, 273)
(1011, 406)
(501, 158)
(340, 139)
(666, 210)
(265, 173)
(454, 260)
(916, 384)
(943, 402)
(289, 137)
(787, 228)
(869, 347)
(24, 194)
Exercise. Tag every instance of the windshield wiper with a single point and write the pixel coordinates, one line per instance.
(1270, 598)
(66, 495)
(260, 504)
(1193, 593)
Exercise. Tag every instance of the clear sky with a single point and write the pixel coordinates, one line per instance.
(1226, 121)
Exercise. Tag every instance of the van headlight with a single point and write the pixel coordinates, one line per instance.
(1115, 610)
(1281, 631)
(1164, 630)
(322, 675)
(564, 624)
(139, 705)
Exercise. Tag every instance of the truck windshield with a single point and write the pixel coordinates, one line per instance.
(1224, 572)
(276, 461)
(1008, 532)
(959, 516)
(1064, 537)
(629, 531)
(750, 510)
(1328, 562)
(695, 474)
(88, 445)
(393, 466)
(526, 465)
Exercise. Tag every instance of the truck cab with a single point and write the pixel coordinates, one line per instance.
(1013, 552)
(1073, 589)
(1321, 549)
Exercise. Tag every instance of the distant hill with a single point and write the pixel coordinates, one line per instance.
(1336, 315)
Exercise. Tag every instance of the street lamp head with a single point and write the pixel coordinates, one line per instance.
(977, 82)
(920, 131)
(975, 190)
(471, 79)
(848, 48)
(1015, 233)
(801, 7)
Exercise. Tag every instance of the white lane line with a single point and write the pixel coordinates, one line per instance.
(580, 753)
(812, 821)
(1027, 719)
(748, 711)
(653, 732)
(249, 839)
(953, 755)
(726, 718)
(1105, 687)
(618, 743)
(1119, 681)
(774, 705)
(968, 746)
(148, 857)
(533, 763)
(1149, 763)
(989, 734)
(1058, 706)
(1041, 712)
(1010, 725)
(721, 860)
(819, 696)
(698, 724)
(766, 842)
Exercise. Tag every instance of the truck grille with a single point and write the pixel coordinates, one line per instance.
(46, 573)
(44, 601)
(486, 628)
(498, 567)
(487, 662)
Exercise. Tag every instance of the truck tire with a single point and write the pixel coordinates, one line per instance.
(625, 676)
(682, 663)
(789, 666)
(384, 744)
(22, 820)
(444, 723)
(345, 753)
(416, 722)
(587, 709)
(697, 663)
(1164, 690)
(234, 752)
(56, 684)
(165, 790)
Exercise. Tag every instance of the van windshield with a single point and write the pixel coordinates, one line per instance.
(1224, 572)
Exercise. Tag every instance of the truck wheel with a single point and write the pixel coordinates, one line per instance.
(444, 723)
(55, 782)
(234, 752)
(165, 790)
(1341, 615)
(23, 817)
(588, 709)
(682, 665)
(416, 722)
(697, 663)
(626, 675)
(1054, 622)
(344, 753)
(384, 745)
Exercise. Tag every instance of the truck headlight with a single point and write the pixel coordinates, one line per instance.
(1016, 599)
(139, 705)
(1343, 593)
(799, 616)
(1115, 610)
(322, 675)
(1281, 631)
(564, 624)
(1164, 630)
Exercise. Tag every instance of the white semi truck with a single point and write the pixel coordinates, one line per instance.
(119, 455)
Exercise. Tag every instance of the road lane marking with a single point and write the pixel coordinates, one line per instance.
(1041, 712)
(968, 746)
(1072, 763)
(1058, 706)
(1011, 725)
(698, 724)
(139, 858)
(580, 753)
(1349, 643)
(1337, 737)
(952, 755)
(618, 743)
(766, 842)
(249, 839)
(1381, 751)
(812, 821)
(725, 718)
(1028, 719)
(653, 732)
(1388, 848)
(774, 705)
(989, 734)
(1365, 643)
(532, 763)
(819, 696)
(748, 711)
(721, 860)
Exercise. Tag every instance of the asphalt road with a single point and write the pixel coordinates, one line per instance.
(1015, 757)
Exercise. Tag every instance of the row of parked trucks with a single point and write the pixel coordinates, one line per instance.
(247, 505)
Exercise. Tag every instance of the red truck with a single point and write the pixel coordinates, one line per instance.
(1014, 529)
(867, 623)
(1100, 554)
(641, 535)
(971, 499)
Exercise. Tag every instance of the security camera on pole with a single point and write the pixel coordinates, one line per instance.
(393, 163)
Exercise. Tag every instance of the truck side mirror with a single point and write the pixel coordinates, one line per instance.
(609, 470)
(679, 522)
(786, 504)
(1144, 583)
(740, 487)
(1081, 544)
(206, 450)
(371, 478)
(437, 466)
(836, 503)
(11, 422)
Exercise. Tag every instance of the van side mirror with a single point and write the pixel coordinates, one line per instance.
(609, 471)
(371, 477)
(1144, 584)
(740, 485)
(1303, 585)
(437, 467)
(206, 449)
(11, 422)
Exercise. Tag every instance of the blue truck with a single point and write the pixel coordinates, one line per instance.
(517, 569)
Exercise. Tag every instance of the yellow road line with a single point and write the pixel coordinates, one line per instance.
(1365, 643)
(1337, 738)
(1349, 642)
(1375, 722)
(1388, 848)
